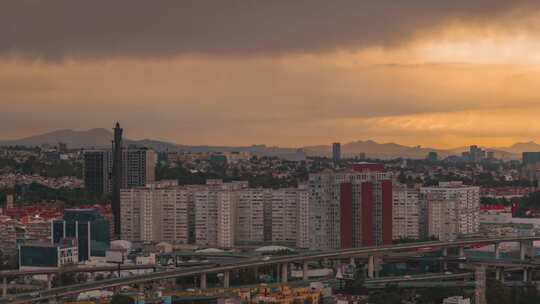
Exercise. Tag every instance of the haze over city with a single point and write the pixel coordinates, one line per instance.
(438, 74)
(270, 151)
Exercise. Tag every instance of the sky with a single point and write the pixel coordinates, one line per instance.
(289, 73)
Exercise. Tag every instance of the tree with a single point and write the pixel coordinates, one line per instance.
(122, 299)
(356, 285)
(389, 295)
(64, 279)
(99, 277)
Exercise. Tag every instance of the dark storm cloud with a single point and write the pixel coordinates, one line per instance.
(55, 29)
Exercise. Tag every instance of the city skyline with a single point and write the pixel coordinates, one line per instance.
(439, 75)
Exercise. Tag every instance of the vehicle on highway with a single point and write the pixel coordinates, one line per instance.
(408, 277)
(266, 258)
(447, 273)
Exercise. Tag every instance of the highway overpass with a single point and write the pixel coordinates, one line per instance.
(281, 261)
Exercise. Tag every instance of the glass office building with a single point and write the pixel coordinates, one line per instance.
(88, 227)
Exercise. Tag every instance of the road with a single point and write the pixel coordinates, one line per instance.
(421, 277)
(258, 262)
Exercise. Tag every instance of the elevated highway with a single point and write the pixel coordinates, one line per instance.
(281, 261)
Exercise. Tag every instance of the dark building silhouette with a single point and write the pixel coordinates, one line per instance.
(336, 152)
(96, 175)
(531, 158)
(117, 177)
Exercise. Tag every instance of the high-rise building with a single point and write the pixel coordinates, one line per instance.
(154, 213)
(215, 208)
(449, 210)
(284, 219)
(227, 202)
(215, 215)
(405, 213)
(117, 170)
(350, 209)
(303, 232)
(336, 152)
(201, 214)
(531, 166)
(139, 169)
(529, 158)
(250, 219)
(97, 175)
(476, 154)
(108, 171)
(433, 156)
(273, 216)
(442, 219)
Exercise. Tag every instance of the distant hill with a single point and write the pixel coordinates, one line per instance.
(73, 138)
(101, 138)
(519, 148)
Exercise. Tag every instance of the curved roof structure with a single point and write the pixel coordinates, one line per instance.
(273, 248)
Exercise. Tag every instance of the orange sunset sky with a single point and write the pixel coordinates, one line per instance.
(288, 73)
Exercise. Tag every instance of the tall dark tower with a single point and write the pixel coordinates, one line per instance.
(117, 177)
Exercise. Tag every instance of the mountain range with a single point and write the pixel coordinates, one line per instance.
(101, 138)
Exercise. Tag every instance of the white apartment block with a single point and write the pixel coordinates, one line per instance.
(452, 203)
(272, 215)
(206, 215)
(405, 213)
(215, 215)
(441, 219)
(303, 234)
(285, 215)
(167, 212)
(185, 215)
(323, 212)
(250, 215)
(226, 218)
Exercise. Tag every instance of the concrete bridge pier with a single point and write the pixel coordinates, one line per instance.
(525, 248)
(445, 254)
(351, 261)
(499, 274)
(497, 250)
(284, 273)
(49, 281)
(305, 271)
(379, 262)
(226, 279)
(522, 251)
(4, 287)
(526, 275)
(461, 255)
(371, 267)
(141, 288)
(203, 281)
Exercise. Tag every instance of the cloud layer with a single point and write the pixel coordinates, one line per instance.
(57, 29)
